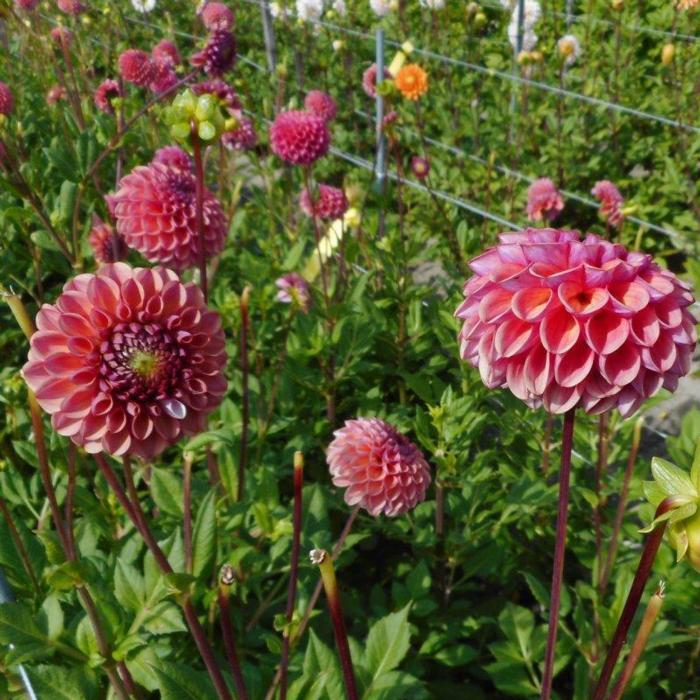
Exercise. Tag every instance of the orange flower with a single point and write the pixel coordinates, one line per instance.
(412, 81)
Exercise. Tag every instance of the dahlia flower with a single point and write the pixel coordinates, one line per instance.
(107, 247)
(174, 157)
(294, 289)
(420, 167)
(55, 94)
(61, 36)
(27, 5)
(529, 37)
(218, 55)
(136, 67)
(242, 138)
(329, 203)
(321, 104)
(569, 49)
(611, 202)
(166, 51)
(381, 8)
(567, 323)
(164, 76)
(216, 15)
(369, 80)
(106, 91)
(143, 6)
(412, 81)
(154, 209)
(7, 102)
(380, 468)
(309, 10)
(299, 138)
(128, 360)
(543, 200)
(70, 7)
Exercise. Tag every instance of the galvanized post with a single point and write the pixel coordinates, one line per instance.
(269, 35)
(569, 12)
(380, 169)
(521, 27)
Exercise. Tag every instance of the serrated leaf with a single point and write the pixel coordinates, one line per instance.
(166, 489)
(204, 534)
(178, 682)
(129, 586)
(60, 683)
(387, 643)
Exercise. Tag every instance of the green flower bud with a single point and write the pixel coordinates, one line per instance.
(180, 131)
(206, 106)
(206, 131)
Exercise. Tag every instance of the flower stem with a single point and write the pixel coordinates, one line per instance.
(245, 399)
(651, 547)
(559, 552)
(293, 569)
(330, 584)
(199, 206)
(640, 641)
(187, 510)
(226, 580)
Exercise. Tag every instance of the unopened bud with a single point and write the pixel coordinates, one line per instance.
(667, 54)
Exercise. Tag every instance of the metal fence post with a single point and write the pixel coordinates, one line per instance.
(521, 27)
(569, 12)
(269, 35)
(380, 169)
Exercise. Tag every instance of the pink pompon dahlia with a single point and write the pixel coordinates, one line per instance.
(568, 323)
(294, 289)
(543, 200)
(26, 5)
(216, 15)
(380, 468)
(70, 7)
(226, 94)
(328, 203)
(164, 76)
(61, 36)
(369, 80)
(55, 94)
(242, 138)
(7, 102)
(321, 104)
(155, 211)
(299, 138)
(166, 51)
(106, 91)
(107, 246)
(611, 202)
(174, 157)
(218, 55)
(128, 360)
(136, 67)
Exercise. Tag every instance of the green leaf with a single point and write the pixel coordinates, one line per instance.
(60, 683)
(387, 643)
(695, 468)
(17, 627)
(204, 534)
(178, 682)
(671, 478)
(129, 586)
(166, 489)
(322, 671)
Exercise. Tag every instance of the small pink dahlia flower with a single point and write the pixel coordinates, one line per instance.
(321, 104)
(242, 138)
(164, 76)
(106, 91)
(569, 323)
(55, 94)
(27, 5)
(174, 157)
(369, 80)
(154, 209)
(107, 247)
(218, 55)
(70, 7)
(329, 203)
(420, 167)
(380, 468)
(136, 67)
(294, 289)
(223, 91)
(7, 102)
(611, 202)
(216, 15)
(128, 360)
(543, 200)
(299, 138)
(61, 36)
(166, 51)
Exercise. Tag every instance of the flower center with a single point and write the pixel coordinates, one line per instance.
(145, 363)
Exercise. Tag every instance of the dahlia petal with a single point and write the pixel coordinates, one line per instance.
(572, 367)
(606, 332)
(174, 408)
(582, 300)
(117, 443)
(538, 370)
(75, 325)
(559, 331)
(645, 327)
(559, 399)
(513, 337)
(630, 297)
(620, 367)
(532, 303)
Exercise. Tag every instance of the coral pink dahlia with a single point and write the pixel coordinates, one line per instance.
(611, 202)
(299, 138)
(321, 104)
(329, 202)
(216, 15)
(382, 470)
(106, 91)
(137, 67)
(7, 102)
(107, 247)
(369, 80)
(127, 360)
(154, 209)
(567, 323)
(543, 200)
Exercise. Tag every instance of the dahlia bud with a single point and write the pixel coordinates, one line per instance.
(681, 492)
(667, 54)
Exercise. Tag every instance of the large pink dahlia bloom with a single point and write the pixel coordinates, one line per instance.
(380, 468)
(299, 138)
(567, 323)
(155, 211)
(544, 202)
(128, 360)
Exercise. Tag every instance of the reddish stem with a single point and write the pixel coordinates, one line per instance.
(187, 511)
(199, 206)
(227, 578)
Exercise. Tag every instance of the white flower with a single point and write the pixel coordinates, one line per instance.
(433, 4)
(143, 6)
(531, 13)
(529, 36)
(381, 8)
(309, 10)
(340, 7)
(569, 49)
(338, 44)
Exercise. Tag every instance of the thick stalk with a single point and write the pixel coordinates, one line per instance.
(199, 212)
(559, 552)
(651, 547)
(245, 398)
(330, 585)
(293, 569)
(226, 580)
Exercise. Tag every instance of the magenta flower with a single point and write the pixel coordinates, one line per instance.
(299, 138)
(7, 102)
(369, 80)
(329, 202)
(174, 157)
(166, 51)
(543, 200)
(55, 94)
(321, 104)
(27, 5)
(216, 15)
(380, 468)
(294, 289)
(136, 67)
(154, 209)
(107, 247)
(611, 202)
(242, 138)
(70, 7)
(218, 55)
(420, 167)
(128, 360)
(567, 323)
(61, 36)
(106, 91)
(164, 76)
